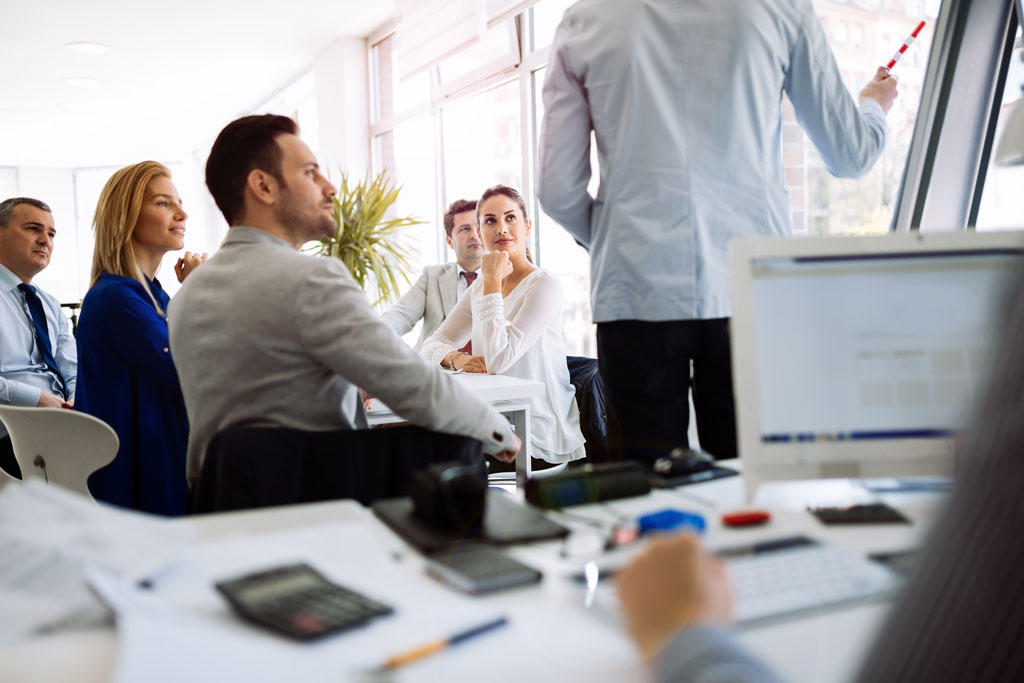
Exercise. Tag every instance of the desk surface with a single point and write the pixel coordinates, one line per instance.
(490, 388)
(552, 636)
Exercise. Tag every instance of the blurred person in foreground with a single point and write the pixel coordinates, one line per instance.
(960, 616)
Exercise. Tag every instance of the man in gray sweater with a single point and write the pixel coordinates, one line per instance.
(263, 335)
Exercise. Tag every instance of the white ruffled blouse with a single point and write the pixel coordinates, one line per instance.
(521, 336)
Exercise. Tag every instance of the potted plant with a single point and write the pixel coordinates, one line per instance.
(367, 241)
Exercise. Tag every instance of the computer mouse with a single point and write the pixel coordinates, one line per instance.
(683, 461)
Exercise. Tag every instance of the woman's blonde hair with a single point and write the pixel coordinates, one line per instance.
(116, 215)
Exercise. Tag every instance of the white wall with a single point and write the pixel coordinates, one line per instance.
(56, 187)
(343, 105)
(334, 118)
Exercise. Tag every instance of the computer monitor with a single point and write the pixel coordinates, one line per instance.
(859, 357)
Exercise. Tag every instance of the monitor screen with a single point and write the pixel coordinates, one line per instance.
(861, 357)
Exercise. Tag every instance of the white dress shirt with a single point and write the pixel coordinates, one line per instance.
(521, 336)
(23, 374)
(685, 102)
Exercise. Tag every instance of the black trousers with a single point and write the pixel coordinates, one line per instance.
(7, 461)
(645, 367)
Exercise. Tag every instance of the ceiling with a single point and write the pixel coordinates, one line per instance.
(176, 74)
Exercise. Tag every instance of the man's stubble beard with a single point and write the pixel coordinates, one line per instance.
(309, 226)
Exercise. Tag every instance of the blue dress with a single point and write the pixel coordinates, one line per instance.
(127, 379)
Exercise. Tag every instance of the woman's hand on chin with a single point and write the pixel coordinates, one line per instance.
(187, 263)
(495, 266)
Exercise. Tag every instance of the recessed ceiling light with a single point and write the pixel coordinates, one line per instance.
(89, 48)
(82, 82)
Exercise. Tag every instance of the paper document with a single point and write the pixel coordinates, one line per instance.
(49, 534)
(183, 613)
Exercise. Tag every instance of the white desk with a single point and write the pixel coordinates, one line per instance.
(551, 636)
(510, 396)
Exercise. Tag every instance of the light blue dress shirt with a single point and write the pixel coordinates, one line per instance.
(23, 374)
(685, 102)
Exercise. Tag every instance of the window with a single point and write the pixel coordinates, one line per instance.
(842, 206)
(472, 120)
(407, 152)
(498, 48)
(393, 94)
(546, 17)
(1002, 202)
(561, 255)
(482, 143)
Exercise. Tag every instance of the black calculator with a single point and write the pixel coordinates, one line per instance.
(298, 601)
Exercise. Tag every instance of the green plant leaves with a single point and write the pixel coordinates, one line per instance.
(367, 241)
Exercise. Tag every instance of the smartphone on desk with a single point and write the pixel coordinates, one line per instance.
(480, 569)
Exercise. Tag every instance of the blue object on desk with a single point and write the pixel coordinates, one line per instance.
(672, 520)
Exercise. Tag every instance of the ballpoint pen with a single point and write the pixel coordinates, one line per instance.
(439, 645)
(903, 48)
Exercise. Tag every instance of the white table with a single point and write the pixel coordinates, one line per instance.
(510, 396)
(552, 636)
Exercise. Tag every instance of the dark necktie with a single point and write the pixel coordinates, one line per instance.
(468, 348)
(35, 306)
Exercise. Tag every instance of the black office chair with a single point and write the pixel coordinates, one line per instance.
(594, 421)
(251, 467)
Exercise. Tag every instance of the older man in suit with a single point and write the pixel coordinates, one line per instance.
(38, 359)
(263, 335)
(439, 287)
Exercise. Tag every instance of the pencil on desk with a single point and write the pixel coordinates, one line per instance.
(439, 645)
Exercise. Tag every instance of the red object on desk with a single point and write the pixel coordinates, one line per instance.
(746, 518)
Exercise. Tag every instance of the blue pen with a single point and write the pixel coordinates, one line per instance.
(439, 645)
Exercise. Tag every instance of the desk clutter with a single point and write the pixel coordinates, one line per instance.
(348, 591)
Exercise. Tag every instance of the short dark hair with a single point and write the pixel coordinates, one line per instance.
(458, 206)
(7, 207)
(245, 144)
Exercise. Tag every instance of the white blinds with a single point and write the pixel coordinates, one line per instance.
(499, 10)
(430, 30)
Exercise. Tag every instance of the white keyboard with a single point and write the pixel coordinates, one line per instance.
(797, 574)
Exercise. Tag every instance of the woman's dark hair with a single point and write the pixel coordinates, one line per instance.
(505, 190)
(245, 144)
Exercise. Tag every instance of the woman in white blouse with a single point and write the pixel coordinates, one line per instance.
(513, 316)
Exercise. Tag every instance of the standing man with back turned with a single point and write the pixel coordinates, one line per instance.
(685, 102)
(263, 335)
(434, 295)
(38, 359)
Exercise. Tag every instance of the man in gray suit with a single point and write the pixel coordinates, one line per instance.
(263, 335)
(439, 287)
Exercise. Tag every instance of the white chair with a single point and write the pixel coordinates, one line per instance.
(60, 446)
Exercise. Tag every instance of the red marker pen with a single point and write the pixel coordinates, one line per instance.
(903, 48)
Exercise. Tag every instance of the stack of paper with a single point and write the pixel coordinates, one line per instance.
(48, 535)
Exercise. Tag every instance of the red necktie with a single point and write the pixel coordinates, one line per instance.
(468, 348)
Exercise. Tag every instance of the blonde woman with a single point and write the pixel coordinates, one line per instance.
(513, 315)
(126, 376)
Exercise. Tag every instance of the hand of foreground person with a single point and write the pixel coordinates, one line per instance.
(509, 455)
(672, 584)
